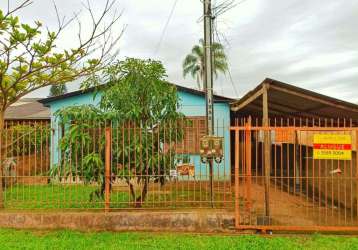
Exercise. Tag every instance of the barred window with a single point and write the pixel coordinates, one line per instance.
(194, 129)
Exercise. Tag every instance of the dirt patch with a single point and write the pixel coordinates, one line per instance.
(292, 209)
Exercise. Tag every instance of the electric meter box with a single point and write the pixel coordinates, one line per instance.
(211, 147)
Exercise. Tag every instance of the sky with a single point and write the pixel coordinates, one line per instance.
(312, 44)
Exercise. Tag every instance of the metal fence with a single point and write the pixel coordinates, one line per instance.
(99, 165)
(280, 178)
(296, 174)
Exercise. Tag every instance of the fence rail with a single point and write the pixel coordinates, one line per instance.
(288, 178)
(276, 181)
(88, 165)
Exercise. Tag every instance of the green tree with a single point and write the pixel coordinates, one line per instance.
(57, 90)
(193, 63)
(136, 98)
(30, 57)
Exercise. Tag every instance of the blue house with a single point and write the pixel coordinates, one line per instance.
(192, 105)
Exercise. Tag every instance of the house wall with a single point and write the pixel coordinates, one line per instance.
(86, 98)
(193, 105)
(190, 105)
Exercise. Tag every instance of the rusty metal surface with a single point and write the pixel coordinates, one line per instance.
(286, 100)
(110, 166)
(304, 193)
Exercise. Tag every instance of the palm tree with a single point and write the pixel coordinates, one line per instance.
(193, 63)
(56, 90)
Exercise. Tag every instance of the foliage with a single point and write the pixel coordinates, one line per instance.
(94, 167)
(193, 63)
(137, 97)
(30, 57)
(26, 139)
(82, 145)
(57, 90)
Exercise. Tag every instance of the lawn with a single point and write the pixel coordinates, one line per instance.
(16, 239)
(55, 196)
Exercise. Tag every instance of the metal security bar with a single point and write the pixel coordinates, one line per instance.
(107, 166)
(287, 179)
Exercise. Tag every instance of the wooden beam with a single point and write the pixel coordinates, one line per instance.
(317, 99)
(247, 101)
(292, 115)
(267, 149)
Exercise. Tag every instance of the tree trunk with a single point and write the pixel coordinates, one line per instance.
(2, 123)
(138, 201)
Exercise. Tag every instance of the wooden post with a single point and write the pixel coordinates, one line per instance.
(267, 149)
(108, 168)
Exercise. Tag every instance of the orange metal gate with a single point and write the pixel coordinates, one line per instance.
(281, 184)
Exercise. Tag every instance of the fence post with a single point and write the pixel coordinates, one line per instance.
(108, 144)
(248, 149)
(1, 173)
(2, 205)
(356, 141)
(237, 202)
(267, 150)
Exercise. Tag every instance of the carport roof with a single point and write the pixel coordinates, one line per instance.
(286, 100)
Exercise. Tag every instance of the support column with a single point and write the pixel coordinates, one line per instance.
(267, 149)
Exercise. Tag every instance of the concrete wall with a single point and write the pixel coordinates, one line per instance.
(205, 221)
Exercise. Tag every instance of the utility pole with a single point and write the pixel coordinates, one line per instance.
(208, 76)
(208, 82)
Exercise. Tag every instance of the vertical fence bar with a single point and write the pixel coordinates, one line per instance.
(248, 164)
(1, 172)
(356, 169)
(108, 168)
(237, 202)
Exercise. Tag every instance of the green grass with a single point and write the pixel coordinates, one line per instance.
(22, 239)
(55, 196)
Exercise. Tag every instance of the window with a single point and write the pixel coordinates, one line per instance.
(194, 129)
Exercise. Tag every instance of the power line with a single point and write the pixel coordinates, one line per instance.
(217, 35)
(220, 9)
(229, 65)
(165, 27)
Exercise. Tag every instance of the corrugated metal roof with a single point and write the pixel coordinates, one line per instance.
(27, 109)
(286, 100)
(217, 98)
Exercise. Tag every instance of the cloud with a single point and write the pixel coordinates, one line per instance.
(303, 42)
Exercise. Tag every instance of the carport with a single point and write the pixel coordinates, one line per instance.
(274, 99)
(278, 181)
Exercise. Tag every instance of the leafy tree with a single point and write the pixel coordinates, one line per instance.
(193, 63)
(30, 57)
(136, 98)
(57, 90)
